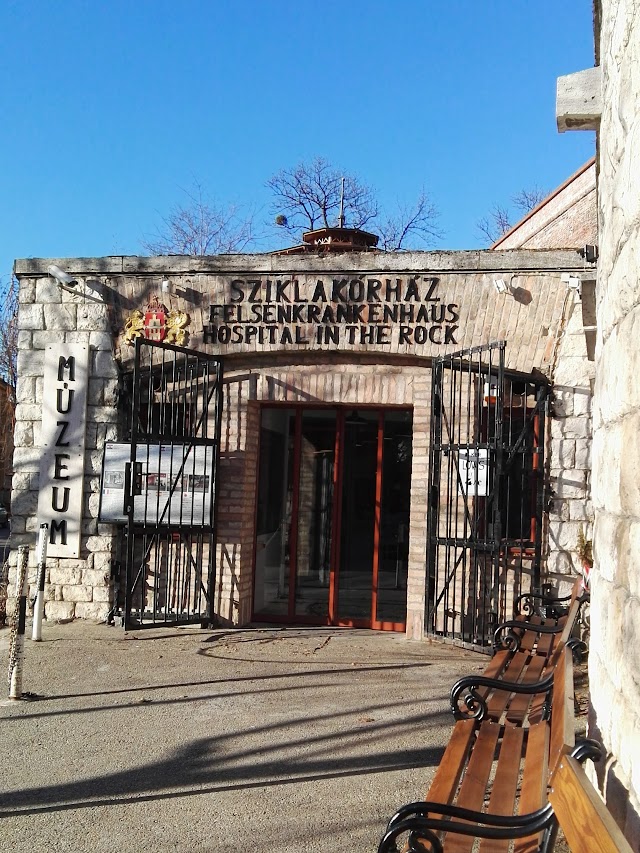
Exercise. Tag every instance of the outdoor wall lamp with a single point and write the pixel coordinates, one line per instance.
(501, 286)
(62, 277)
(174, 289)
(573, 282)
(93, 289)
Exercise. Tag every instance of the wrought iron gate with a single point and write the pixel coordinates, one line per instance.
(170, 486)
(486, 484)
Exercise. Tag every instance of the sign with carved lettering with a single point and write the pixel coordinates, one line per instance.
(400, 311)
(64, 409)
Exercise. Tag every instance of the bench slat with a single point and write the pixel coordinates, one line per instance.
(505, 784)
(528, 641)
(445, 782)
(498, 664)
(569, 621)
(521, 702)
(474, 784)
(584, 818)
(545, 644)
(499, 699)
(533, 791)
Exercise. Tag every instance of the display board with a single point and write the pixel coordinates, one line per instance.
(171, 484)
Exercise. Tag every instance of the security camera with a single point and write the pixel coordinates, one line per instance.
(61, 276)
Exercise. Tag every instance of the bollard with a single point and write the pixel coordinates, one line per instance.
(38, 610)
(16, 653)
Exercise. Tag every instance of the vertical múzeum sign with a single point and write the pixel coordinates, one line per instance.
(64, 407)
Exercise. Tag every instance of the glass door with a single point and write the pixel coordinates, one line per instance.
(315, 487)
(358, 517)
(274, 513)
(332, 520)
(395, 499)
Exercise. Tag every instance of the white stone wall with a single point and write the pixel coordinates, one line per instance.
(569, 456)
(614, 659)
(74, 588)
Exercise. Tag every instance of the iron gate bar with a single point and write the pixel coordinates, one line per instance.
(451, 447)
(477, 537)
(471, 527)
(172, 396)
(377, 518)
(153, 537)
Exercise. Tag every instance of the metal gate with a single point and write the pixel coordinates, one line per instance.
(486, 500)
(170, 486)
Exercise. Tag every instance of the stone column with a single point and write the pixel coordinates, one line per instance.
(73, 588)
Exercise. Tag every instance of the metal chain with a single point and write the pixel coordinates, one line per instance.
(13, 636)
(4, 583)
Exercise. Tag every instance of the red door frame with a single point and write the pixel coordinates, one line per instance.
(336, 522)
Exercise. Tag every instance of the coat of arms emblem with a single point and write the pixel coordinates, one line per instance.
(157, 323)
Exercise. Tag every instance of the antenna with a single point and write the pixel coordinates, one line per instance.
(341, 217)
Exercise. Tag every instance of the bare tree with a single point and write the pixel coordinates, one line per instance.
(411, 224)
(526, 200)
(500, 219)
(9, 334)
(496, 223)
(309, 196)
(201, 227)
(9, 373)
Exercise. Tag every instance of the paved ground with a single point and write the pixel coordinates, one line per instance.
(260, 740)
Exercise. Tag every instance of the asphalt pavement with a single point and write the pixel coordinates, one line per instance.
(263, 740)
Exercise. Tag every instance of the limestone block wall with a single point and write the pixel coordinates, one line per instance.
(614, 659)
(569, 455)
(74, 588)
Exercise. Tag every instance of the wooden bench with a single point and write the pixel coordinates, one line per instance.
(493, 779)
(585, 820)
(526, 653)
(529, 664)
(539, 621)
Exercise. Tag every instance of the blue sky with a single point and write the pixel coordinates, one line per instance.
(108, 109)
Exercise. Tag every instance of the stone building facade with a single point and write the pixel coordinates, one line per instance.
(614, 658)
(568, 217)
(346, 337)
(606, 99)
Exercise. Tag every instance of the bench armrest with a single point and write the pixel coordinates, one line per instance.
(505, 638)
(468, 704)
(525, 603)
(587, 748)
(419, 823)
(529, 603)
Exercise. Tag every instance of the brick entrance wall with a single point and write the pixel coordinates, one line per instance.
(355, 383)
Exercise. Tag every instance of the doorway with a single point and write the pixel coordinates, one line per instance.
(332, 518)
